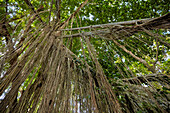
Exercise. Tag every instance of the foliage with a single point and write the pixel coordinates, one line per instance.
(63, 56)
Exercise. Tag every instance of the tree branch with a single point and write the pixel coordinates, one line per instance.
(132, 22)
(150, 68)
(32, 7)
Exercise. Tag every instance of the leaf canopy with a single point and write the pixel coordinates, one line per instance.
(84, 56)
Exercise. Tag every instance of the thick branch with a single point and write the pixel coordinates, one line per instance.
(123, 31)
(162, 22)
(132, 22)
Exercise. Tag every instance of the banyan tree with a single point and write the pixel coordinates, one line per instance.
(96, 56)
